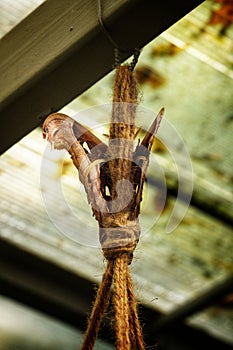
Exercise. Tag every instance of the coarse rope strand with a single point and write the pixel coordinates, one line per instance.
(101, 302)
(128, 329)
(119, 234)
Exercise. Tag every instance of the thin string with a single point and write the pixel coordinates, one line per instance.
(105, 29)
(117, 48)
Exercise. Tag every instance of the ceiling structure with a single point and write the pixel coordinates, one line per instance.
(50, 256)
(58, 50)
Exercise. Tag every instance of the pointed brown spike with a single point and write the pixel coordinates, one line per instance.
(148, 139)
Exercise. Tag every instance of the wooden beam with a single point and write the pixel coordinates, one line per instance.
(60, 50)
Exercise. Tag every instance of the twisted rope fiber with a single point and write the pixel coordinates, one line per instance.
(121, 304)
(101, 302)
(119, 232)
(136, 331)
(117, 209)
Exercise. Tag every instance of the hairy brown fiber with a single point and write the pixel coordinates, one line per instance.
(113, 176)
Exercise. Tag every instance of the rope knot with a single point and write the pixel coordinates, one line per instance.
(118, 238)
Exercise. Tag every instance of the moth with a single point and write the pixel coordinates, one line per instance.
(92, 161)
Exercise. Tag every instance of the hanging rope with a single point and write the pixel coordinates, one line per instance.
(101, 302)
(119, 233)
(120, 169)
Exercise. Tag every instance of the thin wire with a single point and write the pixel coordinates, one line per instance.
(118, 49)
(104, 27)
